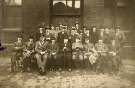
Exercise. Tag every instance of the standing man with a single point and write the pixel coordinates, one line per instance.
(60, 40)
(114, 56)
(119, 37)
(94, 35)
(61, 36)
(101, 35)
(41, 49)
(41, 31)
(107, 36)
(77, 27)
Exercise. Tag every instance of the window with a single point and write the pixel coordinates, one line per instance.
(13, 2)
(66, 7)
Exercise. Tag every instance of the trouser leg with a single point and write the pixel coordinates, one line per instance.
(68, 62)
(39, 61)
(45, 56)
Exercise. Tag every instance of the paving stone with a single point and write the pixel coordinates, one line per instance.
(64, 79)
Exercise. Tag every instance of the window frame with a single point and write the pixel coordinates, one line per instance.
(67, 13)
(9, 4)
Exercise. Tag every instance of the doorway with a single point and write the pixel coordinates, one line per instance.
(66, 12)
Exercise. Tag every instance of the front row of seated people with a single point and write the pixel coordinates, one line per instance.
(64, 53)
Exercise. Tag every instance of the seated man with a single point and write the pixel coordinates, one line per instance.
(29, 52)
(77, 53)
(101, 47)
(90, 53)
(102, 50)
(53, 54)
(17, 58)
(41, 49)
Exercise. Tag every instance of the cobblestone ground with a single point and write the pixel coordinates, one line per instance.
(74, 79)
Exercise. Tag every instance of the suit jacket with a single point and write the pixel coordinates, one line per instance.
(77, 47)
(88, 47)
(42, 46)
(61, 37)
(94, 37)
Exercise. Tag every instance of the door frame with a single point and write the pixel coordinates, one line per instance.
(51, 16)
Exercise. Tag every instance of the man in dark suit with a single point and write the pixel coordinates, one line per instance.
(94, 35)
(77, 27)
(67, 54)
(61, 36)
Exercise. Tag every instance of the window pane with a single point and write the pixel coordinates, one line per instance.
(13, 2)
(69, 3)
(66, 7)
(77, 4)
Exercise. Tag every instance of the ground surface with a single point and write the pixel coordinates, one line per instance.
(74, 79)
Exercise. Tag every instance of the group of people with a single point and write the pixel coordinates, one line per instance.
(68, 48)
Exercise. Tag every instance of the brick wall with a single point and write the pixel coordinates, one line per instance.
(35, 11)
(93, 12)
(12, 16)
(0, 14)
